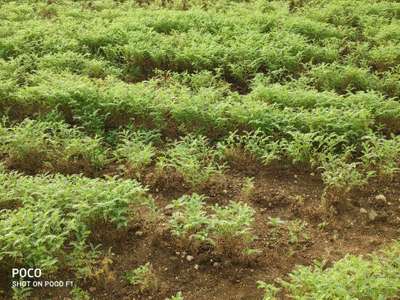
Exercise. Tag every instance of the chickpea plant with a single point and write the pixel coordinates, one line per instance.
(228, 229)
(136, 148)
(193, 158)
(143, 277)
(189, 220)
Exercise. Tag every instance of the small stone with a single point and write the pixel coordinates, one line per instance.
(363, 210)
(225, 191)
(372, 215)
(196, 267)
(189, 258)
(380, 197)
(216, 264)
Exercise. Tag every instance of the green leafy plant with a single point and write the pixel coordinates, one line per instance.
(381, 156)
(178, 296)
(33, 144)
(375, 277)
(189, 220)
(228, 229)
(58, 211)
(21, 293)
(136, 149)
(258, 145)
(79, 294)
(297, 230)
(270, 290)
(143, 277)
(340, 177)
(193, 158)
(248, 188)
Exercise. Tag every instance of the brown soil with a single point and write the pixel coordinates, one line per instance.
(290, 194)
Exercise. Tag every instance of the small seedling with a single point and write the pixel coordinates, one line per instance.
(297, 231)
(248, 188)
(270, 291)
(178, 296)
(79, 294)
(143, 277)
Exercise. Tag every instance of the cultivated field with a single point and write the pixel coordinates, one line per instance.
(201, 149)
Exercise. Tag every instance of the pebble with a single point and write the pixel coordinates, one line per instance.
(363, 210)
(216, 264)
(196, 267)
(189, 258)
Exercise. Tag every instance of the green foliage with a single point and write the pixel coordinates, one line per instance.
(310, 82)
(341, 176)
(178, 296)
(32, 144)
(230, 228)
(256, 144)
(248, 188)
(143, 277)
(375, 277)
(57, 211)
(270, 291)
(21, 293)
(79, 294)
(189, 220)
(136, 148)
(227, 228)
(343, 78)
(381, 155)
(192, 158)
